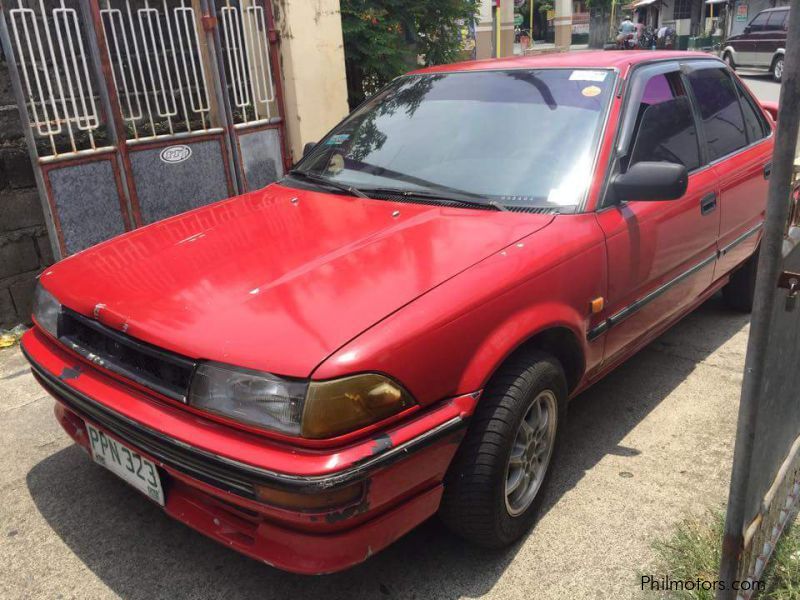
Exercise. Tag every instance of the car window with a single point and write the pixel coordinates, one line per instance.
(754, 121)
(720, 111)
(760, 22)
(666, 129)
(776, 20)
(520, 137)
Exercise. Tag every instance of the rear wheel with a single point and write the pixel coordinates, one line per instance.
(777, 69)
(739, 292)
(494, 487)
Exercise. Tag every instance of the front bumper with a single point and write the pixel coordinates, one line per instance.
(210, 471)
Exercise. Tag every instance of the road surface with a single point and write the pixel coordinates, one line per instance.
(761, 85)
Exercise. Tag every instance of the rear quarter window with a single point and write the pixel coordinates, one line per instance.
(755, 123)
(777, 20)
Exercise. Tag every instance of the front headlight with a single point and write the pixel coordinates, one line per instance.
(46, 309)
(251, 397)
(317, 409)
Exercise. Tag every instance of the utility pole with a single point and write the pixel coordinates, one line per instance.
(769, 268)
(563, 24)
(498, 30)
(531, 23)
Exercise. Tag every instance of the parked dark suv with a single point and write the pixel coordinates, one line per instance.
(762, 44)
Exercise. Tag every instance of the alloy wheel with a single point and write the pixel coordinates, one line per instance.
(531, 453)
(778, 70)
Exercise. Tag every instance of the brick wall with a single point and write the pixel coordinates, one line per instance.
(24, 244)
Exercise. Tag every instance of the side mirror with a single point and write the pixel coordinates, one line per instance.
(308, 148)
(771, 108)
(747, 29)
(651, 181)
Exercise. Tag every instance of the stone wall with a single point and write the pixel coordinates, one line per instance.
(24, 243)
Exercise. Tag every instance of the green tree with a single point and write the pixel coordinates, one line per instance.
(385, 38)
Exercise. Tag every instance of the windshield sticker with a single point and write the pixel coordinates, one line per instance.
(591, 91)
(338, 139)
(588, 76)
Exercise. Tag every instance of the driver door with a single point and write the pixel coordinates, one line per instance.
(661, 255)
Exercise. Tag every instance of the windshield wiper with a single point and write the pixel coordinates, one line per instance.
(342, 187)
(447, 197)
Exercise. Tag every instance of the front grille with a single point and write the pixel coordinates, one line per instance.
(164, 372)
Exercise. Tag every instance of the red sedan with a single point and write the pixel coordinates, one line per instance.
(394, 330)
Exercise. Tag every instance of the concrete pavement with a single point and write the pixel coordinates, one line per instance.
(645, 446)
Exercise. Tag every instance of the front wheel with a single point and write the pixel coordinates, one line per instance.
(777, 69)
(494, 488)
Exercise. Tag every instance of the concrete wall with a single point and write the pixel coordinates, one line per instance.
(24, 245)
(312, 62)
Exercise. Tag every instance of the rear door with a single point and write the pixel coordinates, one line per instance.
(661, 255)
(746, 47)
(735, 132)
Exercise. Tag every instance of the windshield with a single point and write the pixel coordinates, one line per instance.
(523, 138)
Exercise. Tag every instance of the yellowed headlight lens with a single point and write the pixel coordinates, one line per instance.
(342, 405)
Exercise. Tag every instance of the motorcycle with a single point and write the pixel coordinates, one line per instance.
(626, 41)
(666, 40)
(647, 40)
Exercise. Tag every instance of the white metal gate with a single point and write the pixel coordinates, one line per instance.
(141, 109)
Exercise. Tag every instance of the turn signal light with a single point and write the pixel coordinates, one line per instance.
(314, 501)
(337, 406)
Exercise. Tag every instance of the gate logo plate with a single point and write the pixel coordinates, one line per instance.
(176, 154)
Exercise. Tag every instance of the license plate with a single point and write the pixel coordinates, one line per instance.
(126, 464)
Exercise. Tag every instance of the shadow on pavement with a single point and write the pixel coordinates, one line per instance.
(139, 552)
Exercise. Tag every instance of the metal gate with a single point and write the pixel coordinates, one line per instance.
(142, 109)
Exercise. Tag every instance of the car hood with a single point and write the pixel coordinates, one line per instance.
(280, 278)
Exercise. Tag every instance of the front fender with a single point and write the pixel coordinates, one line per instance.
(454, 337)
(516, 330)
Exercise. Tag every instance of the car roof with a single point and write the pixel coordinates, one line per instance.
(775, 9)
(593, 59)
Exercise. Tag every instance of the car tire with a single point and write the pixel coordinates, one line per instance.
(739, 292)
(777, 69)
(480, 501)
(728, 59)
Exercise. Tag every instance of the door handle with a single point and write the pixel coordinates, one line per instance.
(708, 204)
(767, 170)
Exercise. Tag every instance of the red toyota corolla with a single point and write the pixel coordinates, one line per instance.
(307, 372)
